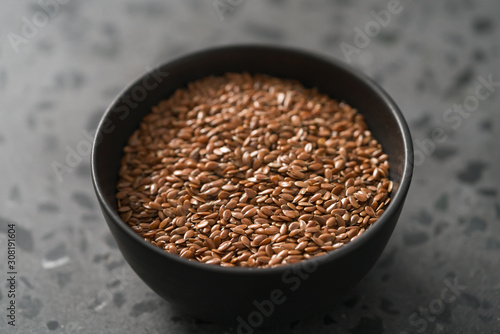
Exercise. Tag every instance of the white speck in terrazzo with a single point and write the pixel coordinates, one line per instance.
(51, 264)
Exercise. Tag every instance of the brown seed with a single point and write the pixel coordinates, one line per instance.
(210, 243)
(202, 224)
(291, 213)
(223, 246)
(283, 229)
(361, 196)
(155, 206)
(245, 241)
(316, 166)
(224, 234)
(311, 249)
(352, 233)
(302, 245)
(165, 238)
(312, 229)
(275, 260)
(250, 193)
(189, 234)
(180, 230)
(239, 230)
(272, 230)
(350, 191)
(265, 241)
(228, 257)
(250, 213)
(342, 236)
(287, 197)
(313, 189)
(301, 184)
(340, 220)
(318, 241)
(339, 212)
(237, 215)
(295, 232)
(232, 204)
(226, 214)
(213, 261)
(258, 240)
(369, 211)
(336, 190)
(353, 202)
(331, 222)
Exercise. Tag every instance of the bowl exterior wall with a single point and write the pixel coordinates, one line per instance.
(280, 296)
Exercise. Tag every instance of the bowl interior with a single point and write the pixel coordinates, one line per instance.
(334, 79)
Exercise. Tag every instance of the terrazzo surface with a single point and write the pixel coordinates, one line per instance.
(62, 63)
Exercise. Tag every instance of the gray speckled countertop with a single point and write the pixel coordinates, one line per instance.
(61, 65)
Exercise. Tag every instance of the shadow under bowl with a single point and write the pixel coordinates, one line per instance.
(259, 296)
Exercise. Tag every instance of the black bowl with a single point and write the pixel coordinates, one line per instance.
(248, 297)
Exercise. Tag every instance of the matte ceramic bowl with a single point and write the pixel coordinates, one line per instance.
(245, 297)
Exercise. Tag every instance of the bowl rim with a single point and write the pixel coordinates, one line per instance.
(396, 201)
